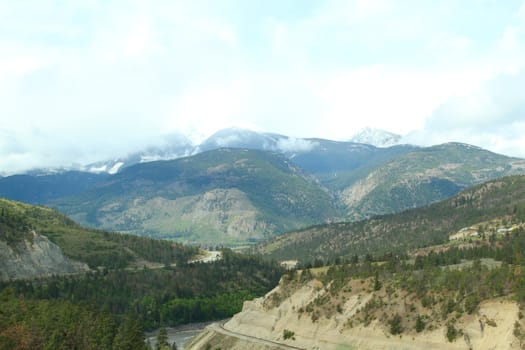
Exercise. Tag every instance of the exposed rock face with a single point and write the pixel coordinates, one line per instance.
(37, 258)
(226, 212)
(260, 323)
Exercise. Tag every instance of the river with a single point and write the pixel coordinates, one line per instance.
(180, 335)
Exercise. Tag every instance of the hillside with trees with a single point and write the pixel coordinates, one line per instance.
(20, 221)
(396, 233)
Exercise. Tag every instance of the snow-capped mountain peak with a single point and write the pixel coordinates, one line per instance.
(376, 137)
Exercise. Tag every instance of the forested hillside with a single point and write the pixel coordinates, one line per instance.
(226, 196)
(101, 310)
(18, 222)
(503, 198)
(424, 176)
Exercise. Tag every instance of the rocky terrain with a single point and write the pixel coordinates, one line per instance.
(269, 323)
(35, 257)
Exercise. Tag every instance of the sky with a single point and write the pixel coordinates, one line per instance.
(87, 80)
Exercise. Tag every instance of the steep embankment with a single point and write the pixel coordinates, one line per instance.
(267, 322)
(35, 257)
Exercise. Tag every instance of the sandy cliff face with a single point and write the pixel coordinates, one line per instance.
(36, 258)
(491, 328)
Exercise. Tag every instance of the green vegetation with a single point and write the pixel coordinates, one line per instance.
(427, 175)
(395, 325)
(169, 296)
(51, 324)
(162, 340)
(395, 234)
(96, 248)
(337, 165)
(280, 196)
(110, 307)
(420, 324)
(432, 292)
(288, 334)
(452, 332)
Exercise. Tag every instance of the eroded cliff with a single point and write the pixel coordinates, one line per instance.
(35, 257)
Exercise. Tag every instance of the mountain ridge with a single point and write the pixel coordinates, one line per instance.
(271, 193)
(392, 233)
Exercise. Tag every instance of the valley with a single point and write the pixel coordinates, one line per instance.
(338, 246)
(398, 303)
(262, 175)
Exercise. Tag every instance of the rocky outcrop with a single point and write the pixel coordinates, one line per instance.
(260, 325)
(38, 257)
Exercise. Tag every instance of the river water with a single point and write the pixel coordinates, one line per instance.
(180, 335)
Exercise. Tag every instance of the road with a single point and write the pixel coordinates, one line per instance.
(219, 328)
(210, 256)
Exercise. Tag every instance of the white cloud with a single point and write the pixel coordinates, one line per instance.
(492, 117)
(88, 81)
(207, 109)
(521, 12)
(139, 37)
(293, 145)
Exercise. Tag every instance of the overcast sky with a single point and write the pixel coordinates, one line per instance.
(86, 80)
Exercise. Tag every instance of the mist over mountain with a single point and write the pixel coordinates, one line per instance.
(376, 137)
(177, 145)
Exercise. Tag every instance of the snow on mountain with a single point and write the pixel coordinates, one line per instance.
(376, 137)
(173, 146)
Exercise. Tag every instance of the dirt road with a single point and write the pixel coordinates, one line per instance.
(219, 328)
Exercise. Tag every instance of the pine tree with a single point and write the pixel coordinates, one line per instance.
(377, 283)
(162, 339)
(130, 335)
(420, 324)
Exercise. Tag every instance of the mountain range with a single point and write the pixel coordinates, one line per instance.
(177, 145)
(221, 196)
(242, 186)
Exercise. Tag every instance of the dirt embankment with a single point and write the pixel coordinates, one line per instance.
(261, 327)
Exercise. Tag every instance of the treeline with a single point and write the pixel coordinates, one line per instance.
(162, 297)
(13, 226)
(161, 251)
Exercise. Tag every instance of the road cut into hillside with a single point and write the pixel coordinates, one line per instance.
(260, 327)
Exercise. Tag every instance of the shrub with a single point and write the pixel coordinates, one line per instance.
(420, 324)
(288, 334)
(395, 325)
(452, 332)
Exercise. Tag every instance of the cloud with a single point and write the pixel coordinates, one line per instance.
(492, 117)
(294, 145)
(84, 81)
